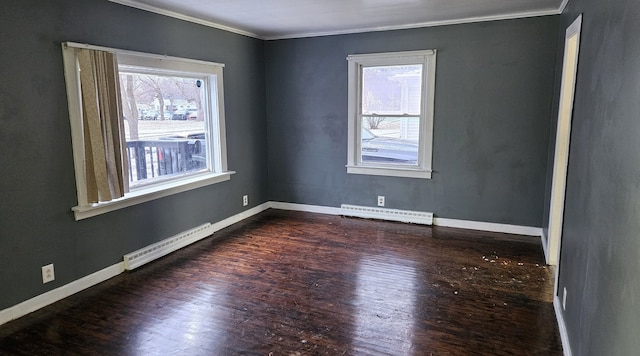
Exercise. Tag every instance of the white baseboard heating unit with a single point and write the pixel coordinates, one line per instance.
(149, 253)
(416, 217)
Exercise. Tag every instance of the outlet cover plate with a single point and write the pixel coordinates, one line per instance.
(48, 274)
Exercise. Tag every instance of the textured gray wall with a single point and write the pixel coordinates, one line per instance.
(492, 111)
(37, 185)
(600, 256)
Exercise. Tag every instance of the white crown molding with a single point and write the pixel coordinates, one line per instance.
(418, 25)
(138, 5)
(177, 15)
(563, 5)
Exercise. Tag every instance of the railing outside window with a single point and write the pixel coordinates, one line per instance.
(154, 158)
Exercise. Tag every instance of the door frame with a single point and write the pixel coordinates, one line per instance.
(563, 136)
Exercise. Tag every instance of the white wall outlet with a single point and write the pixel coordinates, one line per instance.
(564, 298)
(245, 200)
(380, 200)
(47, 273)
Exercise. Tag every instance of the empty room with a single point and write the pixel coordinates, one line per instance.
(370, 177)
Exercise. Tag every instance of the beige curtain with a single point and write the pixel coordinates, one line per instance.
(105, 147)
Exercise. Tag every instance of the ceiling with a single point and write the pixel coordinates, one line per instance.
(277, 19)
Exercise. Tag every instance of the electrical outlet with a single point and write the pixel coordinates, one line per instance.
(564, 298)
(380, 200)
(245, 200)
(47, 274)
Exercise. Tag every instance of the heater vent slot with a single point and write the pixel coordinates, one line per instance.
(416, 217)
(147, 254)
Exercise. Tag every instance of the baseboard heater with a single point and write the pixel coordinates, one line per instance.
(415, 217)
(149, 253)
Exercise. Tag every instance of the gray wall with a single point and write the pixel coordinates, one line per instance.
(37, 185)
(492, 111)
(494, 117)
(600, 255)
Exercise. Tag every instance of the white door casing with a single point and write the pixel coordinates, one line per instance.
(563, 135)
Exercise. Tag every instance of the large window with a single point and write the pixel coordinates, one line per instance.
(162, 131)
(391, 99)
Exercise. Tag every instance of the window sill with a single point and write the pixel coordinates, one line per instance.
(150, 193)
(390, 172)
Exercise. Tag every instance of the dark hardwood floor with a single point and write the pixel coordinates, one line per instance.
(291, 283)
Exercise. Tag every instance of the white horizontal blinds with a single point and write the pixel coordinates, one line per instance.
(104, 142)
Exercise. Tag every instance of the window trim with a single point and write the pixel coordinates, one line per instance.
(150, 193)
(219, 172)
(425, 146)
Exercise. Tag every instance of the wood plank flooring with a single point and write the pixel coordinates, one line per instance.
(292, 283)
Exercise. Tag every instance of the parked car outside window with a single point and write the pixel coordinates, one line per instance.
(388, 149)
(180, 115)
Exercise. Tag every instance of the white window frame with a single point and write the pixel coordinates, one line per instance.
(158, 64)
(357, 62)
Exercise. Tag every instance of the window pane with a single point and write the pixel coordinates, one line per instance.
(164, 125)
(392, 90)
(391, 140)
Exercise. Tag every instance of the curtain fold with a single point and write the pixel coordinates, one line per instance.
(106, 169)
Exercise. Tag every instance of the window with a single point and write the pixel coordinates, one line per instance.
(391, 100)
(167, 113)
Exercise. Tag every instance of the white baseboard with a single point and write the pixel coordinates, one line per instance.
(52, 296)
(69, 289)
(545, 244)
(463, 224)
(306, 208)
(564, 335)
(240, 216)
(492, 227)
(164, 247)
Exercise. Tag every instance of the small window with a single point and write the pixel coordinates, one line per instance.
(169, 114)
(391, 99)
